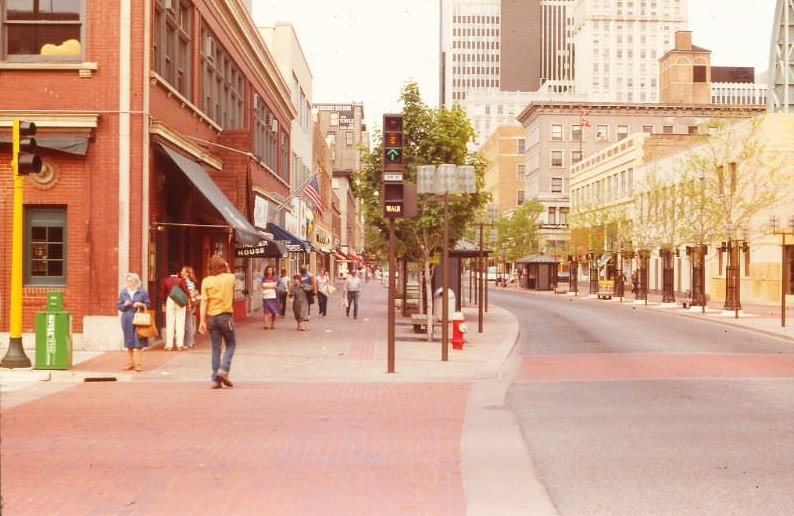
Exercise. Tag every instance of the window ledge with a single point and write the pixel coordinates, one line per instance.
(85, 69)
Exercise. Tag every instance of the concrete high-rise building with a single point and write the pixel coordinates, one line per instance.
(618, 45)
(504, 45)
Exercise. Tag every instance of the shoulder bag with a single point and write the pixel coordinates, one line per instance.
(178, 295)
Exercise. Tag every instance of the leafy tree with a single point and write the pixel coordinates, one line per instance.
(430, 137)
(518, 234)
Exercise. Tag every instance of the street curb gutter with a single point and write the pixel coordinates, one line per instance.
(494, 456)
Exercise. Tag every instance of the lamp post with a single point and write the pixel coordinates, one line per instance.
(773, 221)
(487, 220)
(573, 274)
(733, 247)
(443, 181)
(697, 256)
(593, 272)
(643, 256)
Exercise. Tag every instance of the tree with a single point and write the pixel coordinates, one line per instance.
(430, 137)
(518, 233)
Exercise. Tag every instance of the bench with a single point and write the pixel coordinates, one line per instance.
(604, 295)
(420, 322)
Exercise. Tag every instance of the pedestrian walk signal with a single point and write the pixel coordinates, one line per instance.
(392, 142)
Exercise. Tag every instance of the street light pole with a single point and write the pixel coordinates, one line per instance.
(773, 221)
(445, 285)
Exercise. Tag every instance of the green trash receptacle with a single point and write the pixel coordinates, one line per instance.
(54, 335)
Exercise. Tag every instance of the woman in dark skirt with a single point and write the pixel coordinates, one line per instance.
(270, 303)
(300, 304)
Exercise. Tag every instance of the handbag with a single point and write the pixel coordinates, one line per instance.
(178, 295)
(146, 332)
(141, 317)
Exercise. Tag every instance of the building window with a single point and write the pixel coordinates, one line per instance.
(222, 84)
(556, 185)
(576, 156)
(667, 129)
(556, 132)
(648, 129)
(551, 218)
(520, 197)
(622, 132)
(521, 146)
(45, 245)
(266, 137)
(334, 119)
(42, 31)
(693, 129)
(699, 73)
(348, 138)
(556, 158)
(563, 216)
(602, 133)
(172, 43)
(520, 171)
(576, 133)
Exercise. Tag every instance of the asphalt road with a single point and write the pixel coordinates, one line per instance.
(628, 411)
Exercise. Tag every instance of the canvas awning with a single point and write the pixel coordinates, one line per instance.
(244, 232)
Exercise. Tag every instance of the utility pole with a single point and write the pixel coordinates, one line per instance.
(23, 162)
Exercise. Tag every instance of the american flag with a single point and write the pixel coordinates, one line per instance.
(312, 191)
(584, 118)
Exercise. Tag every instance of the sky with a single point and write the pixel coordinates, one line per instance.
(365, 50)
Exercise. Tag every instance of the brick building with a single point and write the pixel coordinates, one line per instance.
(157, 119)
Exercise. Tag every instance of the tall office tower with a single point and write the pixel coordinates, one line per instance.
(618, 44)
(470, 37)
(557, 58)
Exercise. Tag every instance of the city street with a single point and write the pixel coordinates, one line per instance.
(601, 408)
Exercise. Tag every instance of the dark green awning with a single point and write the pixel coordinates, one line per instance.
(244, 232)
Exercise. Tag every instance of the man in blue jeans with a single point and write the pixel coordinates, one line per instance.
(216, 315)
(352, 290)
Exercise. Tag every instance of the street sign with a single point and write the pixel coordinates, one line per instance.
(391, 176)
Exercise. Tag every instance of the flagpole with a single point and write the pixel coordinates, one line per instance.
(296, 192)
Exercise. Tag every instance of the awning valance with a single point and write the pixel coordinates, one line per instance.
(244, 232)
(70, 143)
(266, 248)
(293, 243)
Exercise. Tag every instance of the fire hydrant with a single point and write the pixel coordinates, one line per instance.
(458, 329)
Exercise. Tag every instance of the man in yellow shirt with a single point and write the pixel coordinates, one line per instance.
(216, 315)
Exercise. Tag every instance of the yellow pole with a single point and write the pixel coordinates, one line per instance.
(15, 357)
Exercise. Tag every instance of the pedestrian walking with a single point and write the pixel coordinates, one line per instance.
(189, 275)
(216, 316)
(173, 289)
(132, 297)
(310, 286)
(300, 302)
(351, 292)
(270, 304)
(324, 290)
(281, 291)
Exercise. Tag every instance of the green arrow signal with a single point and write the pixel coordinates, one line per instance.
(393, 154)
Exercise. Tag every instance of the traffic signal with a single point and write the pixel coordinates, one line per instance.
(24, 159)
(392, 143)
(393, 197)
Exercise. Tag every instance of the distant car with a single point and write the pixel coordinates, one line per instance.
(492, 274)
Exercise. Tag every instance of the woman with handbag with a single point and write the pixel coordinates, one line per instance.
(300, 304)
(133, 299)
(324, 289)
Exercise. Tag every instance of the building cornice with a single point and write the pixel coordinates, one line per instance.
(52, 119)
(166, 133)
(537, 108)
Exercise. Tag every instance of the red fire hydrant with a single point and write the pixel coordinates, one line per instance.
(458, 329)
